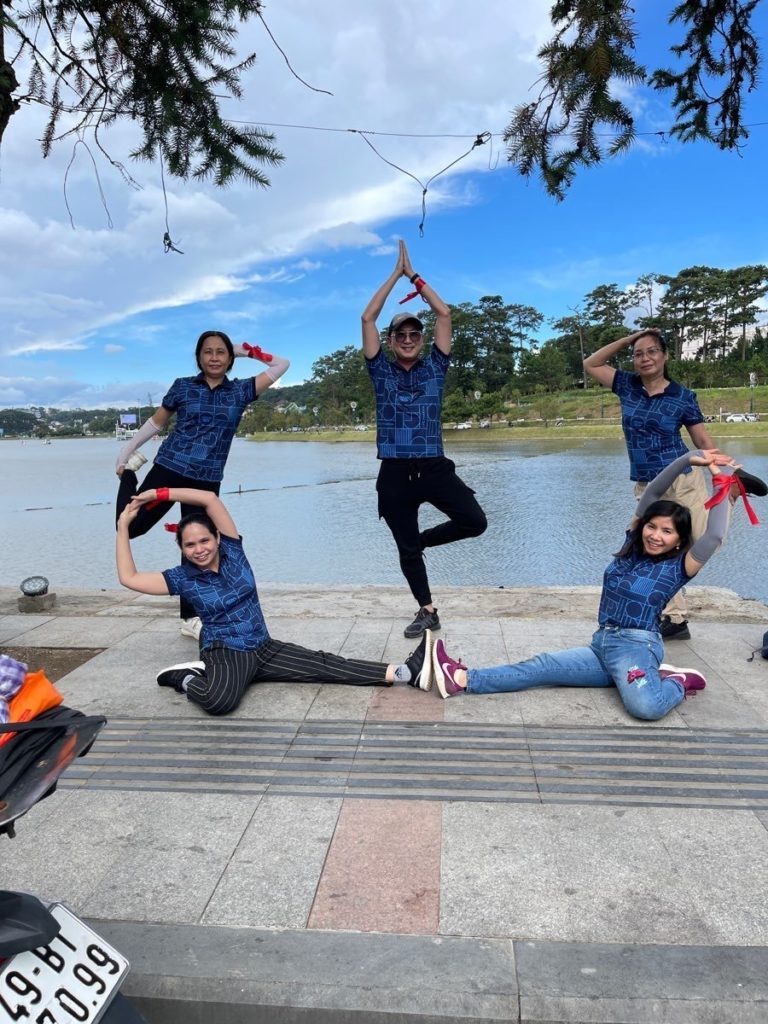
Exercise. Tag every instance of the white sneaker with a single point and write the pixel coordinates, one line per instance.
(191, 627)
(136, 461)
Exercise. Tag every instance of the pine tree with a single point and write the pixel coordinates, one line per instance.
(591, 54)
(164, 65)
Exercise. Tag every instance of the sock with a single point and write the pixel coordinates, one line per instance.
(402, 674)
(187, 680)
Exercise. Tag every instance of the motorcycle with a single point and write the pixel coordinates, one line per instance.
(54, 968)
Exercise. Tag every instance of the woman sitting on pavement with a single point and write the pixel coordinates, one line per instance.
(236, 649)
(208, 409)
(626, 651)
(654, 409)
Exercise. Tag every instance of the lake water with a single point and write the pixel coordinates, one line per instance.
(307, 513)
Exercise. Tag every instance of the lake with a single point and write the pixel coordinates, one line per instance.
(307, 513)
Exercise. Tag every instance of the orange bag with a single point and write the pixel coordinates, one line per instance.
(37, 694)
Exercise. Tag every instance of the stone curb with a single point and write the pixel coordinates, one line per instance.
(249, 976)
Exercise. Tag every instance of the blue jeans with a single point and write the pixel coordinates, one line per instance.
(628, 659)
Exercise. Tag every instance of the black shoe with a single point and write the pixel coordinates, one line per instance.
(674, 630)
(752, 484)
(424, 620)
(175, 675)
(420, 663)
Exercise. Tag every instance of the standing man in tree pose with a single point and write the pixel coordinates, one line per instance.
(409, 398)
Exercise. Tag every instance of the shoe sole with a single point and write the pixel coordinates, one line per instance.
(676, 670)
(426, 669)
(138, 461)
(178, 668)
(438, 674)
(415, 636)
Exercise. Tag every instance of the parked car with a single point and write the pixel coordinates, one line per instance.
(464, 426)
(736, 417)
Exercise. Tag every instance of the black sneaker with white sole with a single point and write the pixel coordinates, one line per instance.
(176, 675)
(420, 663)
(674, 630)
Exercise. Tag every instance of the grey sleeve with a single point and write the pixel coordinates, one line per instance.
(717, 526)
(663, 481)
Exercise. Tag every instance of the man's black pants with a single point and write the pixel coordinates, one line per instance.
(403, 486)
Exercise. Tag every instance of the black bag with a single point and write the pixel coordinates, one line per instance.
(40, 751)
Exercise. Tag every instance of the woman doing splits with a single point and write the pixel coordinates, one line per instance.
(236, 649)
(626, 651)
(208, 409)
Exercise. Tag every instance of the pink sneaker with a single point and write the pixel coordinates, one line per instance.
(445, 671)
(689, 678)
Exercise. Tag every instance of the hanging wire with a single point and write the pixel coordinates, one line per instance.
(168, 245)
(80, 142)
(480, 140)
(285, 58)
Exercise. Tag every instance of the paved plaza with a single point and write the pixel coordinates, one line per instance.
(340, 854)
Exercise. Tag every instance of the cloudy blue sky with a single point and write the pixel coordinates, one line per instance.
(100, 315)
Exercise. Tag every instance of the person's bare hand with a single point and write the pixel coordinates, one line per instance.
(712, 458)
(407, 266)
(128, 514)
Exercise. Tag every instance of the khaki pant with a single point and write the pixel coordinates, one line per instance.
(690, 490)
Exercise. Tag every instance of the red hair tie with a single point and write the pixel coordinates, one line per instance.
(722, 482)
(171, 527)
(255, 352)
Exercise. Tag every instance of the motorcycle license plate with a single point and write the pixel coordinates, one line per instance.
(71, 979)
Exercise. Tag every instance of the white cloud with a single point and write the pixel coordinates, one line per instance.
(114, 348)
(438, 69)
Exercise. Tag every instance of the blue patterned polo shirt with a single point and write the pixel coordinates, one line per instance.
(226, 601)
(652, 423)
(637, 588)
(408, 405)
(206, 421)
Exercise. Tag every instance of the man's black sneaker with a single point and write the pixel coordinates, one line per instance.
(752, 484)
(674, 630)
(175, 675)
(420, 663)
(424, 620)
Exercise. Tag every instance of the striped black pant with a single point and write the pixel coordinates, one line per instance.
(229, 673)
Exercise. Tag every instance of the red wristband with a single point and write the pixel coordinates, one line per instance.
(418, 284)
(163, 494)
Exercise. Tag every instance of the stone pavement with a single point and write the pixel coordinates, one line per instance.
(333, 853)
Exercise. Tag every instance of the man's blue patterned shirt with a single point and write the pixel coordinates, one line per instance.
(408, 405)
(227, 601)
(652, 423)
(206, 421)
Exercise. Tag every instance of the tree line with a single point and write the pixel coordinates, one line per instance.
(499, 356)
(710, 318)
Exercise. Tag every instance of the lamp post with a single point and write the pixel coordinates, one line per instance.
(752, 386)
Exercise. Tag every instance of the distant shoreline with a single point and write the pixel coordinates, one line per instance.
(534, 432)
